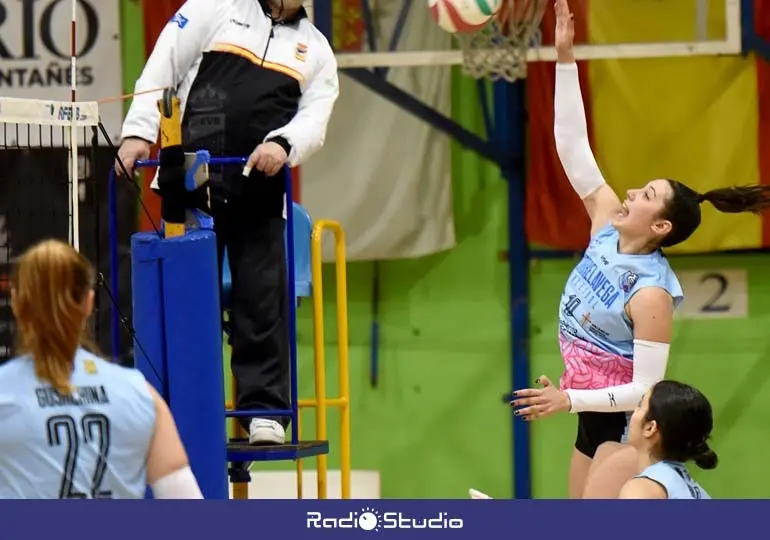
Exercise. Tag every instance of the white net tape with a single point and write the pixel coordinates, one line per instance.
(33, 124)
(48, 113)
(499, 50)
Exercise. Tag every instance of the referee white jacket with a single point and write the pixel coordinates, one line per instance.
(242, 78)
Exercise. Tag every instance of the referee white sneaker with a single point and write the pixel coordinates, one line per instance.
(266, 431)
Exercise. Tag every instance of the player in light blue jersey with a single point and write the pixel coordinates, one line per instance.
(670, 427)
(616, 312)
(72, 425)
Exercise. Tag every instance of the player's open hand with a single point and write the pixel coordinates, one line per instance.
(565, 32)
(533, 403)
(268, 157)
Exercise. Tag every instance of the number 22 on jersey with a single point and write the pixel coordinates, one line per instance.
(93, 429)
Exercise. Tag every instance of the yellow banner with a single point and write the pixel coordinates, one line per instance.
(689, 119)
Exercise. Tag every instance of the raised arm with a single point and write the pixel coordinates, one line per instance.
(178, 47)
(571, 130)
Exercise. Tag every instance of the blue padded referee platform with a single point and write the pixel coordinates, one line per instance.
(178, 305)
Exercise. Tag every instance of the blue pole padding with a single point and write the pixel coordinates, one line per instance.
(147, 299)
(147, 310)
(186, 282)
(292, 299)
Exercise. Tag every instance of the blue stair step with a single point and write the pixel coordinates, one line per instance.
(239, 450)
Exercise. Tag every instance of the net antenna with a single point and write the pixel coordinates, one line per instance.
(499, 50)
(74, 184)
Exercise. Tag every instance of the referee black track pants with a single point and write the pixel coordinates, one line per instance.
(250, 224)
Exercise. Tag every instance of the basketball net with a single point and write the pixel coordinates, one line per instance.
(499, 50)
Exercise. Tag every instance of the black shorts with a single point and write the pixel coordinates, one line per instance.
(595, 428)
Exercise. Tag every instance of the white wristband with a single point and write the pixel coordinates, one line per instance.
(180, 484)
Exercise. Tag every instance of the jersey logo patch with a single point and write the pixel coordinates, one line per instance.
(628, 280)
(300, 52)
(180, 20)
(90, 367)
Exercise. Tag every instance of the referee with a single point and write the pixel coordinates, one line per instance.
(255, 78)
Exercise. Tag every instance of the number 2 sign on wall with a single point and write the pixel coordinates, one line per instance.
(714, 294)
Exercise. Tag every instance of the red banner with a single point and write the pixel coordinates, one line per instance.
(550, 198)
(762, 18)
(156, 14)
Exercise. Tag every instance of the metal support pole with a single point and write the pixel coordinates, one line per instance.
(510, 132)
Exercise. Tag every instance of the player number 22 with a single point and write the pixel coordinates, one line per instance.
(62, 430)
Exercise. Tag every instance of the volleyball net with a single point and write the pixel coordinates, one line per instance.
(55, 158)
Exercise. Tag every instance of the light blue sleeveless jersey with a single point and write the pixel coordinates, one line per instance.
(593, 302)
(675, 479)
(91, 444)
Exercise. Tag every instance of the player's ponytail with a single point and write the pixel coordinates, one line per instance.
(684, 420)
(684, 212)
(50, 289)
(705, 457)
(737, 199)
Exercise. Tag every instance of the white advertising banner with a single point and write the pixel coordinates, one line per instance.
(35, 54)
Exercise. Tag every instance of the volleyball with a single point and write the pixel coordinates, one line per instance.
(463, 16)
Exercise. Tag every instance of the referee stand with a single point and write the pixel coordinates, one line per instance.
(177, 323)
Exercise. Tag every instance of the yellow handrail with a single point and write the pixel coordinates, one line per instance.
(343, 401)
(320, 402)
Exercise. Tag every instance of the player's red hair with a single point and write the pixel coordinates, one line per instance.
(50, 288)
